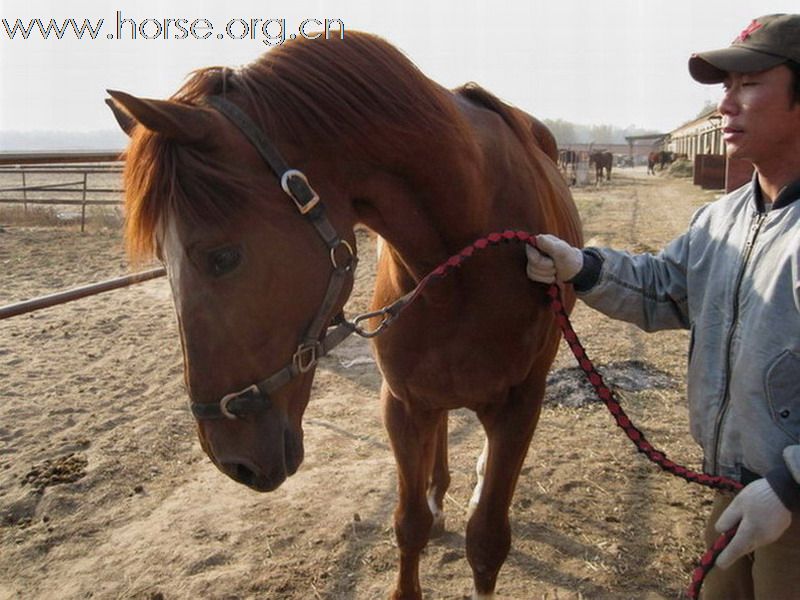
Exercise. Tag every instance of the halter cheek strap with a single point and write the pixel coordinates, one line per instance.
(256, 397)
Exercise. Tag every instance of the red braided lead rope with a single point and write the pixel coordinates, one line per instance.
(596, 379)
(642, 445)
(614, 407)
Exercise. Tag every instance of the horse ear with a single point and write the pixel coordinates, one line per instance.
(180, 122)
(124, 120)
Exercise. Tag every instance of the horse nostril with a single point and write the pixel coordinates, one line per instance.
(240, 473)
(252, 477)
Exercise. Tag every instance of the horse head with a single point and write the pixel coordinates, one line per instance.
(248, 275)
(249, 266)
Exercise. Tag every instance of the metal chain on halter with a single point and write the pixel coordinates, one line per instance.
(605, 393)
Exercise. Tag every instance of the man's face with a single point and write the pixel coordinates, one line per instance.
(760, 122)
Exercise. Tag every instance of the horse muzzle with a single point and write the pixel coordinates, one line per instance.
(258, 452)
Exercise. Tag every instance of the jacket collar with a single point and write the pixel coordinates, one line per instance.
(786, 196)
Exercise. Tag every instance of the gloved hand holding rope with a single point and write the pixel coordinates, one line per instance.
(761, 518)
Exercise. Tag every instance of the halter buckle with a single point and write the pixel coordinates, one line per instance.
(306, 356)
(303, 205)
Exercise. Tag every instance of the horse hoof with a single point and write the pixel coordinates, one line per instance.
(438, 528)
(397, 595)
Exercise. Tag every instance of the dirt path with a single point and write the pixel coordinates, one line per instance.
(105, 493)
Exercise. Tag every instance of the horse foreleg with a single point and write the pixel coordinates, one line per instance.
(440, 478)
(509, 430)
(413, 440)
(480, 471)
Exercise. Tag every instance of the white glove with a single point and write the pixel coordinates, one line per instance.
(762, 519)
(555, 260)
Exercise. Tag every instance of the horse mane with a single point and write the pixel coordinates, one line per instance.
(522, 124)
(358, 94)
(539, 145)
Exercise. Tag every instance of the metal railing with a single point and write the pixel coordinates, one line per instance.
(26, 306)
(64, 179)
(77, 167)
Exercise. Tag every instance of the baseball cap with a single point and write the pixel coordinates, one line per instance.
(766, 42)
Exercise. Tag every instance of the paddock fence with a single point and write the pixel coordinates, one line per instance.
(70, 181)
(66, 179)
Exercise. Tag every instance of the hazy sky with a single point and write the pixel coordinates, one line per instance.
(619, 62)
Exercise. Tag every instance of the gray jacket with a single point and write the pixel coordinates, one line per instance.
(733, 279)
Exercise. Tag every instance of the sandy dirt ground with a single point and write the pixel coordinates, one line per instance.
(105, 492)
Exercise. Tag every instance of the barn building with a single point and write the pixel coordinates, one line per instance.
(699, 140)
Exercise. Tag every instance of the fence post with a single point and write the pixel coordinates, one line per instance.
(83, 203)
(24, 194)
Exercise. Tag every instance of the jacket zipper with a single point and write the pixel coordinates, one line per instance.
(755, 226)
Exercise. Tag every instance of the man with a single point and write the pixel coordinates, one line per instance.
(733, 279)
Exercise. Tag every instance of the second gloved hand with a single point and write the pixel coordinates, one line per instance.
(554, 260)
(762, 519)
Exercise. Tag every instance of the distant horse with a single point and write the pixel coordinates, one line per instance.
(430, 171)
(567, 157)
(603, 161)
(661, 158)
(568, 163)
(652, 161)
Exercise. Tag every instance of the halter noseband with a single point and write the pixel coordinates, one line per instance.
(256, 397)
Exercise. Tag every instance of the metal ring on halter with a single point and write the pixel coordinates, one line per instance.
(303, 208)
(223, 404)
(349, 251)
(386, 315)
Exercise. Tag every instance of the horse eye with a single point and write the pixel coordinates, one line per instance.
(223, 260)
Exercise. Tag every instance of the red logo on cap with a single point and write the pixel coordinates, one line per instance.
(754, 25)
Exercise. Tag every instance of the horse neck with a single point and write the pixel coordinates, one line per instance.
(424, 223)
(429, 204)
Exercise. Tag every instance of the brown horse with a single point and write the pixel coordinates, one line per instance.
(652, 161)
(429, 170)
(603, 161)
(662, 158)
(568, 163)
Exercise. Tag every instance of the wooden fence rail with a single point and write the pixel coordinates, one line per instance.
(57, 157)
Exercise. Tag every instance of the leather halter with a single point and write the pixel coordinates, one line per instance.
(256, 397)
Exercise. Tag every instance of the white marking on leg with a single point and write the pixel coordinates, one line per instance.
(480, 469)
(436, 511)
(378, 246)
